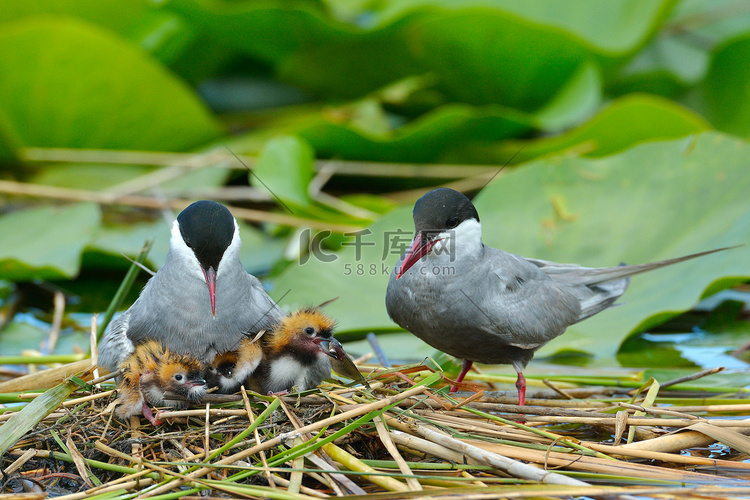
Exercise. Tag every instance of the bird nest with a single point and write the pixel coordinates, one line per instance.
(405, 436)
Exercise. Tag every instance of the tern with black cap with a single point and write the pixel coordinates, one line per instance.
(485, 305)
(202, 301)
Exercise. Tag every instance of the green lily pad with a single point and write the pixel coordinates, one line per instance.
(358, 275)
(460, 43)
(10, 142)
(616, 26)
(726, 90)
(19, 336)
(651, 202)
(678, 57)
(111, 14)
(352, 133)
(285, 168)
(46, 242)
(625, 122)
(52, 74)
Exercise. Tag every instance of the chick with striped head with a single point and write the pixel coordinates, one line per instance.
(230, 370)
(151, 373)
(297, 352)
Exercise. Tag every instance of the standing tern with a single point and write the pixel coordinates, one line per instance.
(482, 304)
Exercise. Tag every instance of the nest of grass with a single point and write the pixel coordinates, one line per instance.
(403, 437)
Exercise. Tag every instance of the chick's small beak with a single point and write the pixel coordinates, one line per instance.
(420, 247)
(336, 348)
(210, 275)
(197, 382)
(329, 346)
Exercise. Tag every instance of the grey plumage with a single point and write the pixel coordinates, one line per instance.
(482, 304)
(174, 306)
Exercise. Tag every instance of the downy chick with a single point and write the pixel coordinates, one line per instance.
(150, 373)
(296, 352)
(229, 370)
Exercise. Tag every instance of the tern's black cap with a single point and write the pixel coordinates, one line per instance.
(207, 228)
(442, 209)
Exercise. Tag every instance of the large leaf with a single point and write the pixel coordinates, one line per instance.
(651, 202)
(627, 121)
(480, 51)
(285, 168)
(86, 176)
(10, 142)
(356, 131)
(616, 26)
(20, 335)
(55, 93)
(678, 57)
(726, 91)
(115, 15)
(46, 242)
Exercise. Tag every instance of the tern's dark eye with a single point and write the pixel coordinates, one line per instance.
(310, 330)
(451, 223)
(178, 377)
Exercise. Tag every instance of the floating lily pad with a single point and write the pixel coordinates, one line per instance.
(54, 92)
(625, 122)
(46, 242)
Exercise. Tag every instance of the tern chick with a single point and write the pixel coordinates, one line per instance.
(151, 373)
(229, 370)
(297, 352)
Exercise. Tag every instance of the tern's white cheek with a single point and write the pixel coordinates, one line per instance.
(464, 241)
(184, 254)
(232, 253)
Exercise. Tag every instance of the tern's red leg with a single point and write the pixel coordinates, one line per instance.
(464, 370)
(149, 415)
(521, 386)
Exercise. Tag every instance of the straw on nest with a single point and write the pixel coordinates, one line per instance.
(400, 439)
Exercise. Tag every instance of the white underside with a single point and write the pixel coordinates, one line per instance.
(287, 372)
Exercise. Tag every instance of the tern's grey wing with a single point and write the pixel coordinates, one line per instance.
(518, 302)
(597, 288)
(593, 295)
(579, 275)
(115, 345)
(495, 308)
(263, 307)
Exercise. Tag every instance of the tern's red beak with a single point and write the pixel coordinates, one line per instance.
(210, 275)
(419, 248)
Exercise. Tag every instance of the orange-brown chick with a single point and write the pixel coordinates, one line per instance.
(150, 373)
(296, 352)
(230, 370)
